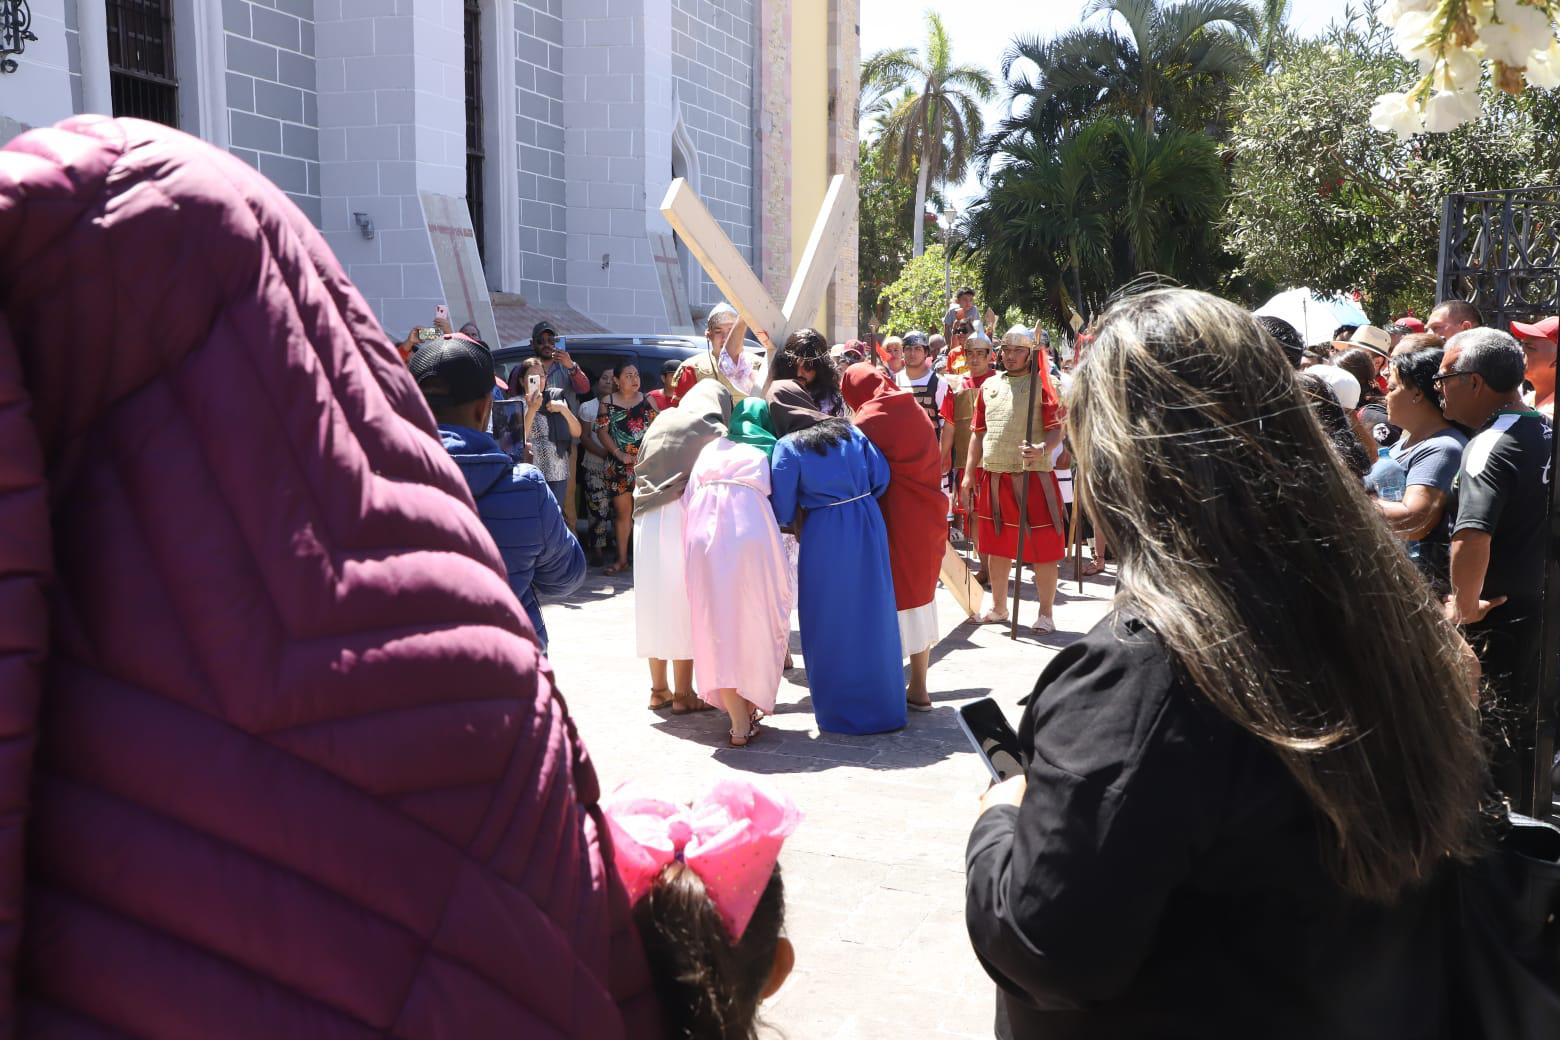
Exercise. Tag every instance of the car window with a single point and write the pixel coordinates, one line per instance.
(590, 359)
(596, 363)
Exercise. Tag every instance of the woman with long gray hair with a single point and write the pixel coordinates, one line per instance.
(1243, 783)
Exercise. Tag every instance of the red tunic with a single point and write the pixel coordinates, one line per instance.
(915, 510)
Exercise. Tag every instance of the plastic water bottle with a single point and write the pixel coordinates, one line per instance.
(1386, 478)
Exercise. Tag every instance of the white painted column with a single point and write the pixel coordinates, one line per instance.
(502, 150)
(97, 93)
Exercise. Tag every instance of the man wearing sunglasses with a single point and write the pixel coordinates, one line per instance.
(1500, 500)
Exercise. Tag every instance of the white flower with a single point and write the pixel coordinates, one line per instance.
(1461, 70)
(1392, 114)
(1412, 30)
(1448, 109)
(1518, 32)
(1543, 67)
(1395, 9)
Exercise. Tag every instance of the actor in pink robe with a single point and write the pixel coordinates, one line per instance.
(738, 581)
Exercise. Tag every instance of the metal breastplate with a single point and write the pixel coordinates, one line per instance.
(1005, 399)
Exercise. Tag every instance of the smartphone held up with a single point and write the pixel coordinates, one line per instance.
(993, 739)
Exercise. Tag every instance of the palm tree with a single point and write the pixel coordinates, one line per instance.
(1043, 223)
(1169, 189)
(1067, 223)
(933, 127)
(1272, 32)
(1159, 64)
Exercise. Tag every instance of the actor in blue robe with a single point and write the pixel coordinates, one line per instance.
(832, 475)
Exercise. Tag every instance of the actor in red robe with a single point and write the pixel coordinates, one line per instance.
(915, 510)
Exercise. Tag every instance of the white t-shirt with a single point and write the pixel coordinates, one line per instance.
(589, 409)
(904, 382)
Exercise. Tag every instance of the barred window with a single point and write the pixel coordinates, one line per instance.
(142, 75)
(474, 153)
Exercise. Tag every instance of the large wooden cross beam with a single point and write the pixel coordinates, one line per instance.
(736, 280)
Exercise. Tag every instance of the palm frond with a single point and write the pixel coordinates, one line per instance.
(971, 78)
(939, 49)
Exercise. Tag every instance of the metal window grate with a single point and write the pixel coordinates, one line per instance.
(143, 77)
(474, 153)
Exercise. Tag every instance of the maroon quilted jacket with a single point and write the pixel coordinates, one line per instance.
(279, 756)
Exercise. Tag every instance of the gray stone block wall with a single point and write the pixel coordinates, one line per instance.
(539, 135)
(273, 104)
(73, 48)
(712, 69)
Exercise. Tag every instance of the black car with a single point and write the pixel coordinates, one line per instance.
(598, 352)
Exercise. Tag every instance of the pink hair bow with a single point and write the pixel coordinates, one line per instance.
(730, 837)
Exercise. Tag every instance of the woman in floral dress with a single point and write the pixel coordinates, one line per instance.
(620, 427)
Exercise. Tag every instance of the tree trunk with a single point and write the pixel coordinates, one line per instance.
(918, 233)
(1078, 288)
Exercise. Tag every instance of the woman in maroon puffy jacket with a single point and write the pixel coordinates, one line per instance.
(281, 757)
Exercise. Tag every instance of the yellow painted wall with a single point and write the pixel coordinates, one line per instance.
(809, 122)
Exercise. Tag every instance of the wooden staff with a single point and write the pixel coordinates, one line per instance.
(1077, 521)
(1023, 487)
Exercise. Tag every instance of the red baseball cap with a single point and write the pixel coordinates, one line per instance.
(1548, 328)
(1411, 323)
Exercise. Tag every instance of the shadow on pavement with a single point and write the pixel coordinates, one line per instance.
(594, 589)
(928, 738)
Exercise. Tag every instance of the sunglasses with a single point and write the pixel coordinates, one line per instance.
(1441, 377)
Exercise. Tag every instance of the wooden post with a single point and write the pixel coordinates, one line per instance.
(731, 274)
(1077, 521)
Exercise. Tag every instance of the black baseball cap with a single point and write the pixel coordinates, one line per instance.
(541, 327)
(454, 369)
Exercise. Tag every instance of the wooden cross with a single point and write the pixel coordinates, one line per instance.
(736, 280)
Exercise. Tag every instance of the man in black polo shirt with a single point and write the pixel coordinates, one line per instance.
(1500, 500)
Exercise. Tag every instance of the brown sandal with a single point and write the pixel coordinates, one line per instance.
(660, 699)
(688, 705)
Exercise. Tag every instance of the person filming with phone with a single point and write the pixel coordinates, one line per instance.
(1242, 787)
(550, 428)
(562, 373)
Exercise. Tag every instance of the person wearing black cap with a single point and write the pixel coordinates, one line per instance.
(541, 555)
(562, 374)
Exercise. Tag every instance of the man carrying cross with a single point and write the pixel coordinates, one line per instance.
(999, 460)
(740, 371)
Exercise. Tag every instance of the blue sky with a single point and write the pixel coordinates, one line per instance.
(981, 30)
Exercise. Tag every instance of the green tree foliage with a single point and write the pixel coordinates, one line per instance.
(1158, 64)
(1067, 225)
(887, 203)
(1319, 198)
(931, 129)
(919, 297)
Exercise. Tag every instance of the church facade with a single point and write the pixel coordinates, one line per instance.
(560, 123)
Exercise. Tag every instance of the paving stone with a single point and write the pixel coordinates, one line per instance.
(875, 874)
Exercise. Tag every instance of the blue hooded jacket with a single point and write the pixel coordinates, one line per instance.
(540, 553)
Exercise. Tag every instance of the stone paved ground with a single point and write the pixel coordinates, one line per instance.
(875, 874)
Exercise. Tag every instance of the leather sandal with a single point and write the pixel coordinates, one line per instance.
(660, 699)
(688, 705)
(735, 740)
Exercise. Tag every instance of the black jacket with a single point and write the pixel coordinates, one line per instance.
(1162, 877)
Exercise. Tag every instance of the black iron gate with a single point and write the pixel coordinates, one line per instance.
(1500, 251)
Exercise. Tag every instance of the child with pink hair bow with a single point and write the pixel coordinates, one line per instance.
(704, 881)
